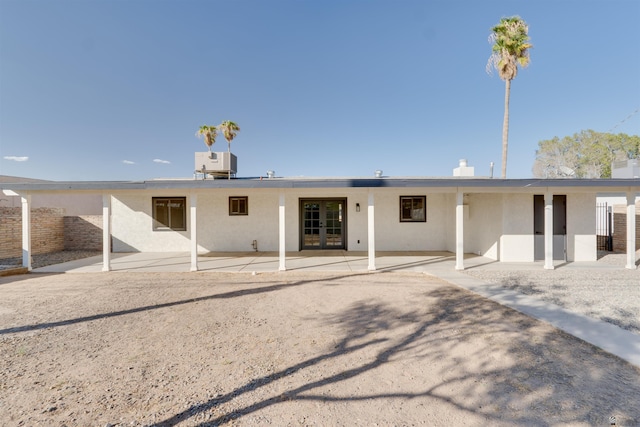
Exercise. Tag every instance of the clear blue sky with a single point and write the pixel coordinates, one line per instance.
(115, 90)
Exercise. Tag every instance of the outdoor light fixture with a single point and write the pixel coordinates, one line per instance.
(357, 207)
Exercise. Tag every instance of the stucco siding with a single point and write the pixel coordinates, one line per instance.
(496, 225)
(132, 228)
(483, 226)
(132, 225)
(219, 231)
(581, 227)
(516, 242)
(393, 235)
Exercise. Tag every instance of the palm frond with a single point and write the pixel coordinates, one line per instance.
(229, 130)
(209, 133)
(510, 47)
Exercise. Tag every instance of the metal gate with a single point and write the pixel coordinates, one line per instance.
(604, 227)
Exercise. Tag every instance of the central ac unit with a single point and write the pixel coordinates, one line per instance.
(221, 164)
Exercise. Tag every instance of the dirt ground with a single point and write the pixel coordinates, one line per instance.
(291, 349)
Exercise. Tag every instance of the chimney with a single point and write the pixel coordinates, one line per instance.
(463, 169)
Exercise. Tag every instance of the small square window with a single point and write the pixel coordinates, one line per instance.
(413, 208)
(169, 213)
(239, 205)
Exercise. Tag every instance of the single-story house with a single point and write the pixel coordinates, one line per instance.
(506, 220)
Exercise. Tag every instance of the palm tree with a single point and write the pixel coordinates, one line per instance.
(510, 48)
(229, 130)
(209, 133)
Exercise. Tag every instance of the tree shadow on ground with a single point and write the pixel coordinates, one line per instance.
(232, 294)
(476, 357)
(552, 290)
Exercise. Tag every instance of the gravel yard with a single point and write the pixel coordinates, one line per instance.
(41, 260)
(611, 295)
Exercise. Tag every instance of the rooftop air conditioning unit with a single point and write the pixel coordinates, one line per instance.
(629, 168)
(222, 164)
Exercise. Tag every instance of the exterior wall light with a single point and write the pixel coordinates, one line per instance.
(357, 207)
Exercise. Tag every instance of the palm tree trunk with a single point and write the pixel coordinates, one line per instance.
(505, 128)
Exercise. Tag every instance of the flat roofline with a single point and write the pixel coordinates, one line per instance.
(600, 185)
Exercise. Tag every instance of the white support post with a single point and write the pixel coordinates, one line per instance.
(281, 231)
(631, 231)
(548, 231)
(459, 230)
(26, 231)
(106, 232)
(371, 232)
(193, 210)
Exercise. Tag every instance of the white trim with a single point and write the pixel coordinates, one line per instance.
(26, 231)
(460, 230)
(548, 231)
(631, 231)
(371, 232)
(282, 234)
(193, 199)
(106, 232)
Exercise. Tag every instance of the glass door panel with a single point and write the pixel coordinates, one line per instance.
(333, 225)
(311, 212)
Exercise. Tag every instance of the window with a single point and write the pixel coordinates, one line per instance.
(413, 208)
(169, 213)
(239, 205)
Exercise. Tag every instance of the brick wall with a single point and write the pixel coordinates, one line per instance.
(47, 231)
(10, 232)
(83, 232)
(620, 228)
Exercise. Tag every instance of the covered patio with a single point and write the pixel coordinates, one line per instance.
(305, 261)
(492, 218)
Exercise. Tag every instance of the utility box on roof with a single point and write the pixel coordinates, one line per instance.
(221, 164)
(626, 169)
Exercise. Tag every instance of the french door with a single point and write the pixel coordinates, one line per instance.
(322, 223)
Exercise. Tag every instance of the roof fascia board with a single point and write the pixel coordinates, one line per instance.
(451, 184)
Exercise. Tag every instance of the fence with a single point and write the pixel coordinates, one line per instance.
(604, 229)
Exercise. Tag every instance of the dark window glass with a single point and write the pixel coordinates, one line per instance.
(170, 213)
(239, 205)
(413, 208)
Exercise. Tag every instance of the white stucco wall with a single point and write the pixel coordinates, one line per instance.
(132, 226)
(393, 235)
(516, 241)
(484, 225)
(581, 227)
(498, 226)
(219, 231)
